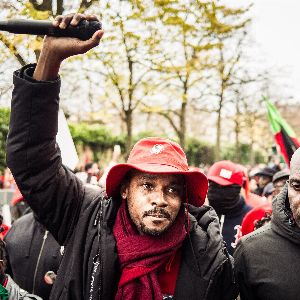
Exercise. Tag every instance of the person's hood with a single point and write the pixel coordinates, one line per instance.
(282, 221)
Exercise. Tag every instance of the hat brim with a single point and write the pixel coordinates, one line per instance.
(264, 174)
(219, 180)
(196, 181)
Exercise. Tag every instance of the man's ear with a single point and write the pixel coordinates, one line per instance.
(124, 190)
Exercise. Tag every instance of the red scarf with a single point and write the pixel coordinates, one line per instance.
(141, 255)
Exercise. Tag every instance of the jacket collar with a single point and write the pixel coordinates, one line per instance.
(282, 221)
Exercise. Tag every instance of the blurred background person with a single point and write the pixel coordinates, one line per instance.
(247, 189)
(265, 176)
(114, 160)
(91, 173)
(279, 180)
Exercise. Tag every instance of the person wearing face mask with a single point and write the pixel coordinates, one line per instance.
(225, 182)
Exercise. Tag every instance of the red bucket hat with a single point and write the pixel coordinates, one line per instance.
(159, 156)
(225, 172)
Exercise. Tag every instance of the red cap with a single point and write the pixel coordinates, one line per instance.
(159, 156)
(253, 215)
(225, 172)
(17, 197)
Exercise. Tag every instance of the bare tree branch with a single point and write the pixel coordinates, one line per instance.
(11, 47)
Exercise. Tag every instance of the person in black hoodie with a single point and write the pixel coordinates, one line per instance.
(33, 255)
(149, 236)
(225, 183)
(267, 261)
(9, 289)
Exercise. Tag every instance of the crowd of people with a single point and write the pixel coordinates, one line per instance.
(150, 228)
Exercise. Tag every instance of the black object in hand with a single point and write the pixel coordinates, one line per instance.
(83, 31)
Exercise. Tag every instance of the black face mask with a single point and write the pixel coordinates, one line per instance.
(224, 199)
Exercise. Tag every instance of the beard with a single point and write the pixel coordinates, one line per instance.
(295, 208)
(154, 232)
(144, 229)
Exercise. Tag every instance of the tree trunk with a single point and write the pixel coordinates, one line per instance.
(128, 121)
(182, 134)
(12, 49)
(218, 138)
(252, 153)
(237, 132)
(59, 7)
(237, 144)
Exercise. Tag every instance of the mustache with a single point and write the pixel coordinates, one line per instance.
(160, 212)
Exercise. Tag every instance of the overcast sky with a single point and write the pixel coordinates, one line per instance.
(276, 31)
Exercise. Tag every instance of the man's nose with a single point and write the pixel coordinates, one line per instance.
(158, 199)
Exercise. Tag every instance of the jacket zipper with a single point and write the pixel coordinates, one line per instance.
(97, 260)
(38, 261)
(100, 225)
(222, 220)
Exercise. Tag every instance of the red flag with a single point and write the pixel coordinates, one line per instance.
(284, 135)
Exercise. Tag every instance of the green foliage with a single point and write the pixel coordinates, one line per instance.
(96, 136)
(199, 152)
(144, 134)
(4, 121)
(30, 11)
(101, 140)
(244, 151)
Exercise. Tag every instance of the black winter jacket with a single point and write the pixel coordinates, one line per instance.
(231, 220)
(82, 219)
(32, 251)
(267, 261)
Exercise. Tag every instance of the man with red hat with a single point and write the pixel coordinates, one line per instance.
(148, 237)
(225, 183)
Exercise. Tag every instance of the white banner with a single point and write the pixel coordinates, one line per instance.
(65, 142)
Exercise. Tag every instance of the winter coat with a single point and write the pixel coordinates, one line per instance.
(81, 219)
(267, 261)
(230, 221)
(32, 252)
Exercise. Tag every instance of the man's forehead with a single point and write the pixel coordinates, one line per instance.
(295, 176)
(295, 162)
(138, 175)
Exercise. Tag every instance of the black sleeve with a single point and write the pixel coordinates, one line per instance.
(241, 270)
(225, 287)
(53, 192)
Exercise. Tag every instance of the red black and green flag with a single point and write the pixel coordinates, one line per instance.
(284, 135)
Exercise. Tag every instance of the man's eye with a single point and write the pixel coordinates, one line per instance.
(147, 186)
(173, 190)
(295, 186)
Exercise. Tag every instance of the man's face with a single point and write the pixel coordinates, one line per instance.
(294, 196)
(153, 200)
(263, 180)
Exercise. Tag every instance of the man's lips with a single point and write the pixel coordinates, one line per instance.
(159, 214)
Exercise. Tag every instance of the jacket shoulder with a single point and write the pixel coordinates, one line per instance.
(251, 246)
(258, 236)
(255, 241)
(20, 226)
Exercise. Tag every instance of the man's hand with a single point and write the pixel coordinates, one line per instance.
(56, 49)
